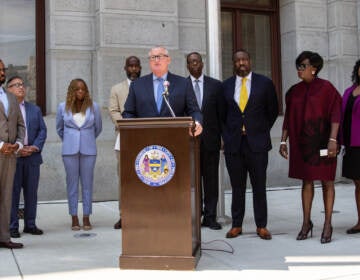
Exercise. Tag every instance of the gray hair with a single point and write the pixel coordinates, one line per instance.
(159, 47)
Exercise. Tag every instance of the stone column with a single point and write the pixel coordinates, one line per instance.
(343, 41)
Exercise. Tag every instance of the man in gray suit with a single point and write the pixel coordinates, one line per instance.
(12, 133)
(118, 95)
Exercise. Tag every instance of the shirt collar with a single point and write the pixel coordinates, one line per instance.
(248, 77)
(163, 77)
(201, 78)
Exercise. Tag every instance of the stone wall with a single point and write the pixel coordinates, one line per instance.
(91, 38)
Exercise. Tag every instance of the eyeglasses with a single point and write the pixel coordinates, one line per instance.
(157, 57)
(17, 85)
(302, 66)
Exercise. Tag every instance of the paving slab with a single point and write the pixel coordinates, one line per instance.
(65, 254)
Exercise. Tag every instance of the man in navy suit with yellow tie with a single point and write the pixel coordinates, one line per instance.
(249, 110)
(28, 162)
(145, 98)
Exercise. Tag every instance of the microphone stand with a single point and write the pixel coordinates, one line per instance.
(165, 94)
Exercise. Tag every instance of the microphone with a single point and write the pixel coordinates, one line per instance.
(165, 94)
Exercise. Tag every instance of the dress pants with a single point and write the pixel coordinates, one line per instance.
(26, 178)
(7, 171)
(79, 167)
(238, 165)
(209, 170)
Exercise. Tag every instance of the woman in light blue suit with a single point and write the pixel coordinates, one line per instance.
(78, 123)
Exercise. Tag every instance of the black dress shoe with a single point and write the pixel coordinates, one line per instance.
(11, 245)
(118, 224)
(211, 224)
(33, 231)
(14, 233)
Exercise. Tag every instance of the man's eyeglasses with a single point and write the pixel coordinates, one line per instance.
(302, 66)
(157, 57)
(17, 85)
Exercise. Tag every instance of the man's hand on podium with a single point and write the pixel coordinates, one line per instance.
(196, 129)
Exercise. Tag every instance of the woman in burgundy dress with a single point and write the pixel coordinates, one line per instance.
(311, 122)
(350, 138)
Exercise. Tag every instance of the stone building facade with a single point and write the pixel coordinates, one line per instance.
(91, 38)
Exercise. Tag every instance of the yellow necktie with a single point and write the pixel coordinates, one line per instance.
(243, 95)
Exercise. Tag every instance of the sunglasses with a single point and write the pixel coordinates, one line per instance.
(302, 66)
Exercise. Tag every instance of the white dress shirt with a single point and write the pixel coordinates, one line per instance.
(238, 84)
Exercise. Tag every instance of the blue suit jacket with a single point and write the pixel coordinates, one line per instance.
(141, 103)
(78, 139)
(259, 115)
(36, 132)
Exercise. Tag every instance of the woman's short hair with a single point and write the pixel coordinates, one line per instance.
(315, 60)
(355, 74)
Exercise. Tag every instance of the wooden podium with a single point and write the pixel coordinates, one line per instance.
(160, 223)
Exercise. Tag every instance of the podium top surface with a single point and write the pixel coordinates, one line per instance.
(155, 122)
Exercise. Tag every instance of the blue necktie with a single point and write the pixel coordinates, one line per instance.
(160, 90)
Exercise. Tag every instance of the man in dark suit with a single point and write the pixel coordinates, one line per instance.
(207, 91)
(28, 162)
(12, 133)
(145, 98)
(249, 110)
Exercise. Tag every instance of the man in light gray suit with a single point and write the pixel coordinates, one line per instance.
(118, 95)
(12, 133)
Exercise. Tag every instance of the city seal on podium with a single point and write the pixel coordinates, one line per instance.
(155, 165)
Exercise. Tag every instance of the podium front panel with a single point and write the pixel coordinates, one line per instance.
(160, 223)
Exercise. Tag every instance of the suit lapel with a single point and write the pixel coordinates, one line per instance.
(69, 117)
(252, 90)
(150, 95)
(205, 92)
(87, 116)
(231, 90)
(27, 114)
(171, 80)
(11, 103)
(2, 109)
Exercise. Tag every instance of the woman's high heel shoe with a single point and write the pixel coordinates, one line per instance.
(303, 234)
(326, 238)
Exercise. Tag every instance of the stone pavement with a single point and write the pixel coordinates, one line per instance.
(64, 254)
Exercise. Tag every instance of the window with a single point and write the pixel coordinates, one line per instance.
(252, 25)
(22, 44)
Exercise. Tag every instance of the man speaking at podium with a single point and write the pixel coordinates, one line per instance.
(146, 94)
